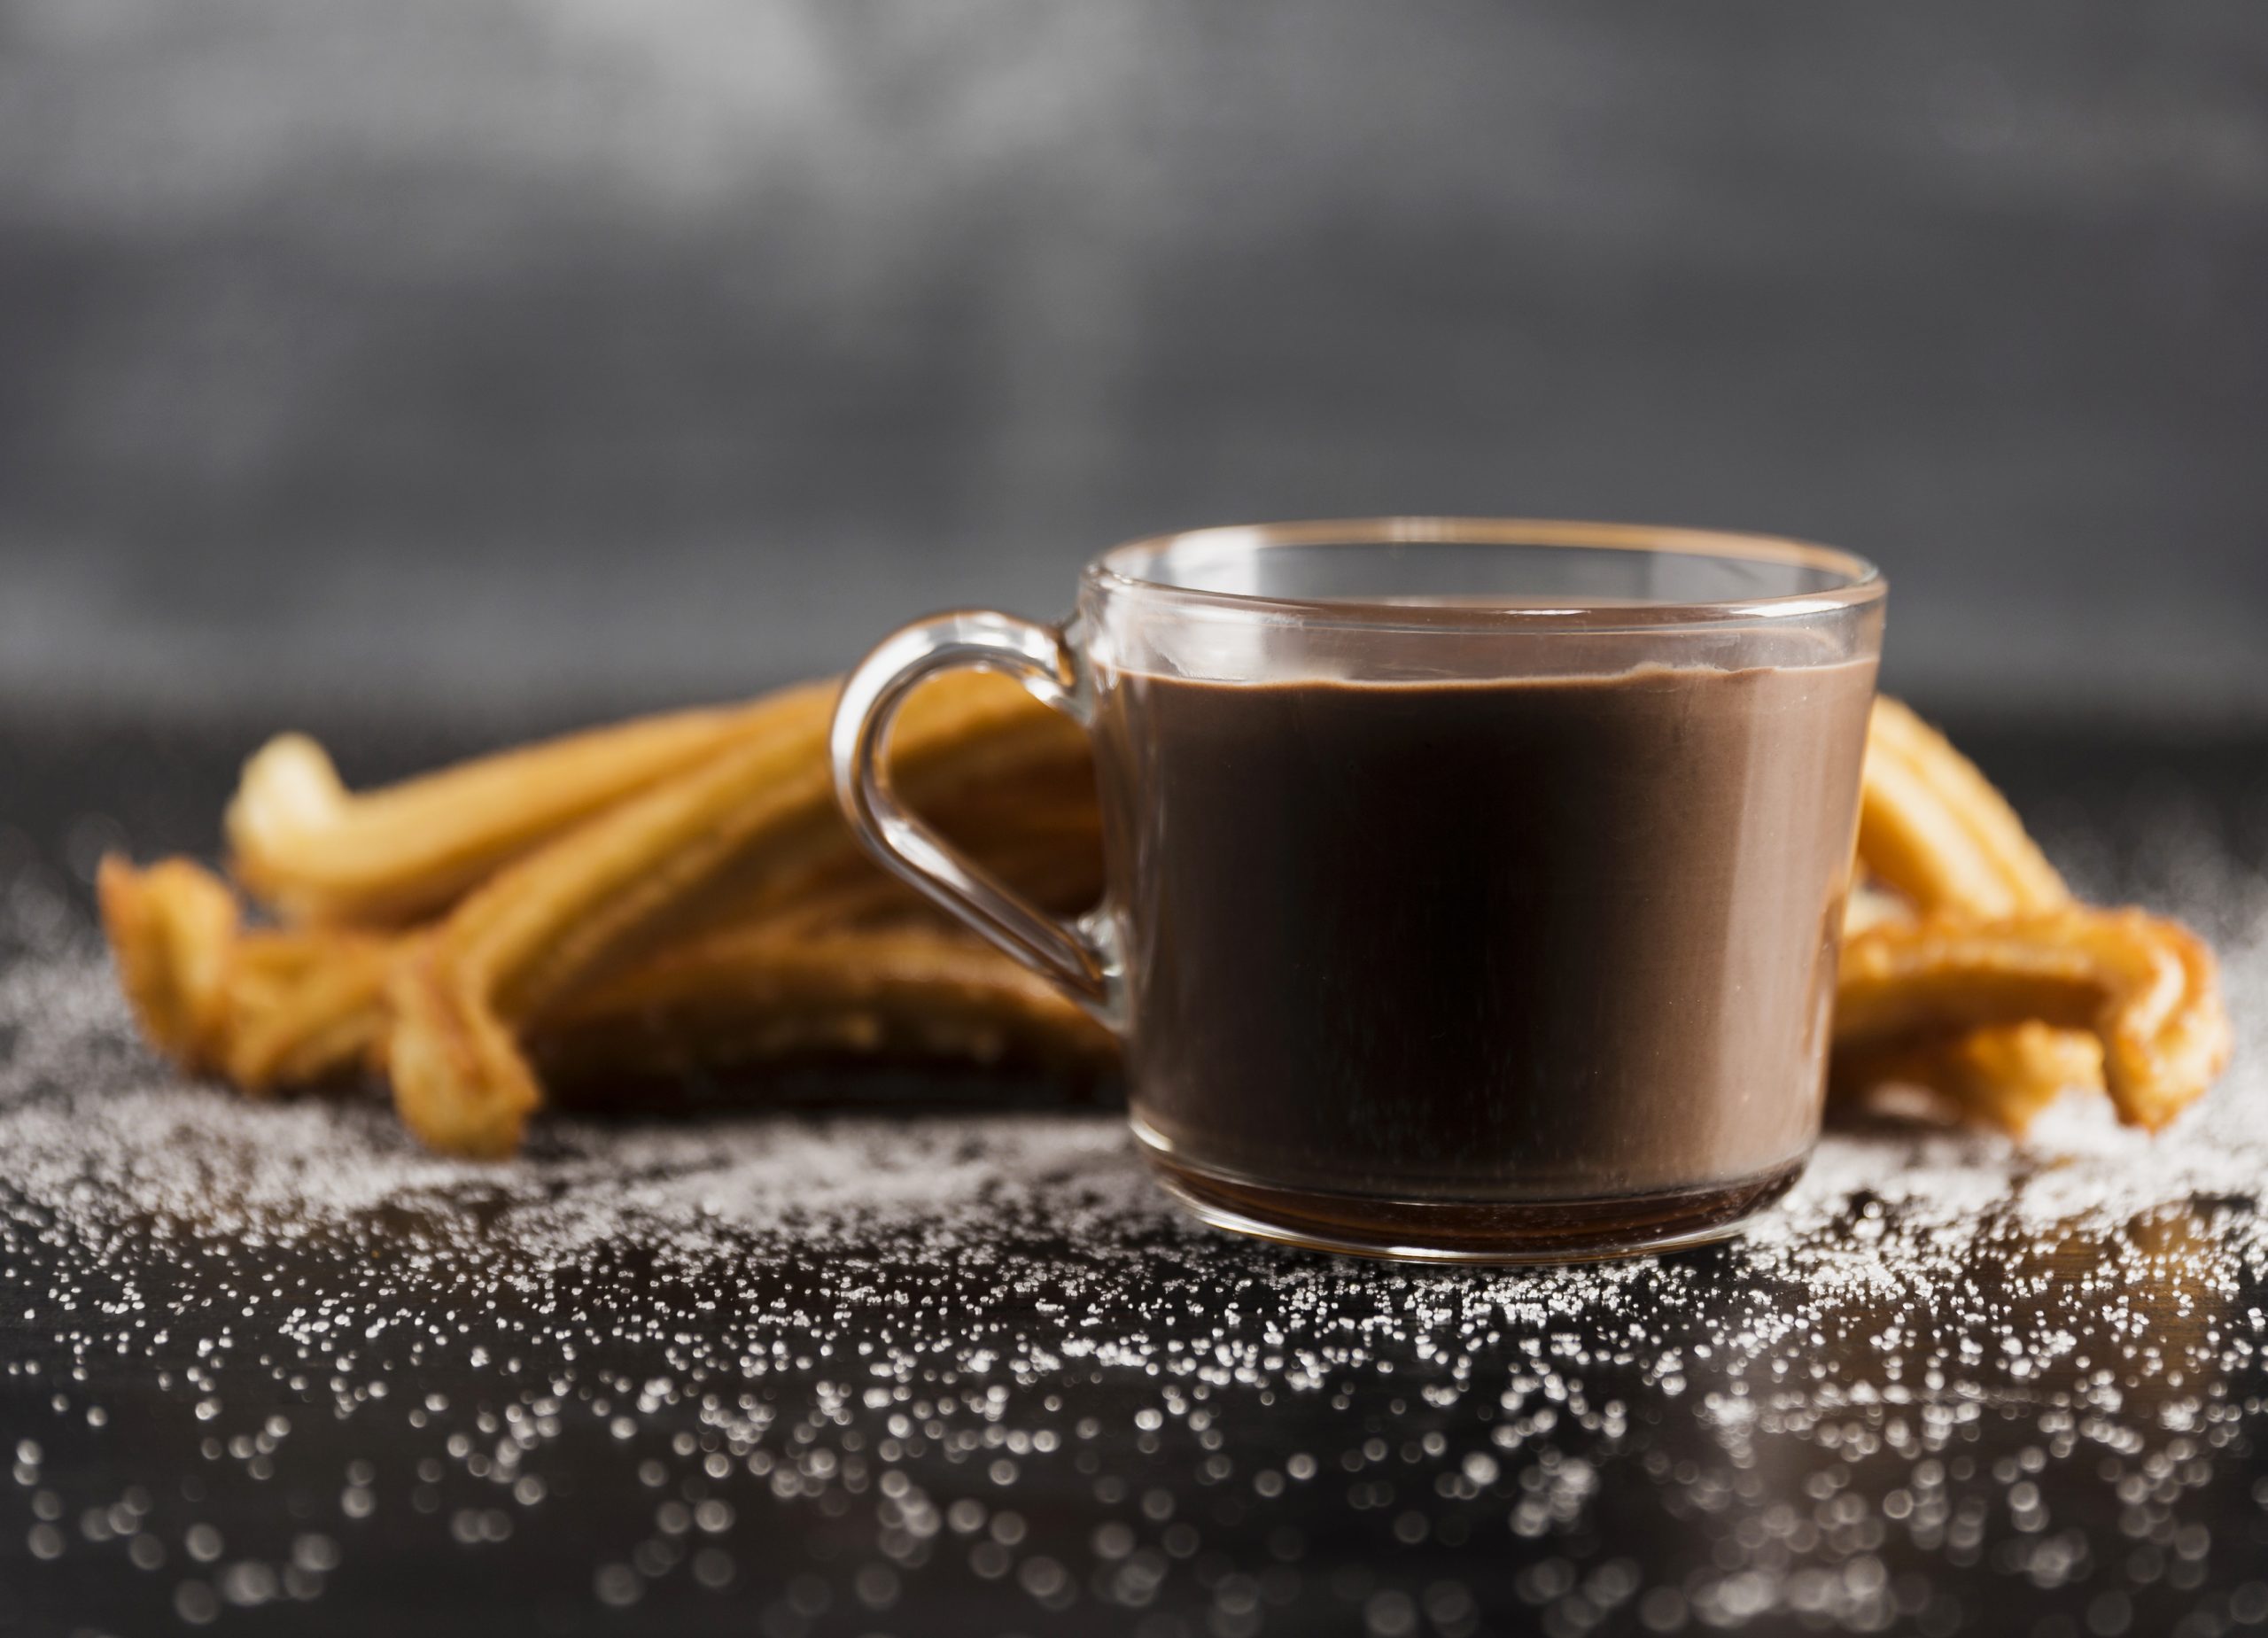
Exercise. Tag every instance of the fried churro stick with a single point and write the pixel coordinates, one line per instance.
(757, 994)
(2147, 989)
(281, 1008)
(262, 1006)
(2004, 1077)
(571, 911)
(1932, 827)
(1034, 824)
(268, 1008)
(1060, 870)
(171, 930)
(322, 1019)
(302, 844)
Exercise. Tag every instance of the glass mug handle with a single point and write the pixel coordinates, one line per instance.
(1081, 956)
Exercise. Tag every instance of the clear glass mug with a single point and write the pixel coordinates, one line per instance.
(1474, 886)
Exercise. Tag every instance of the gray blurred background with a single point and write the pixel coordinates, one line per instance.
(579, 354)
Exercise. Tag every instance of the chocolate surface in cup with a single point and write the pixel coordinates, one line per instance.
(1539, 939)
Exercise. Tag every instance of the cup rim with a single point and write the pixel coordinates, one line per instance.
(1118, 570)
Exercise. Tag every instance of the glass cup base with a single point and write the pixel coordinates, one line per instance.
(1471, 1231)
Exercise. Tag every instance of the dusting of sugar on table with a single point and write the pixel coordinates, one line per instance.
(981, 1361)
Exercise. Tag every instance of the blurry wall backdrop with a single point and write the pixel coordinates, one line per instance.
(591, 352)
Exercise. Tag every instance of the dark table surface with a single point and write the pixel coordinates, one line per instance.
(931, 1355)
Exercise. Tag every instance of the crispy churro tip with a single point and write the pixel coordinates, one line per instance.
(171, 930)
(263, 1007)
(460, 1081)
(289, 789)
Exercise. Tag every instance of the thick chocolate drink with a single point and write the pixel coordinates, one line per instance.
(1548, 939)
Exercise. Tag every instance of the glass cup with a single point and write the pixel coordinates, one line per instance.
(1474, 886)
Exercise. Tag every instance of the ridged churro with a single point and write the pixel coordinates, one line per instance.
(264, 1006)
(743, 997)
(2146, 988)
(302, 844)
(602, 894)
(2004, 1077)
(1933, 829)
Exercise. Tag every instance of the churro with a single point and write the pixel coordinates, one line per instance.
(265, 1007)
(2004, 1077)
(1933, 829)
(755, 993)
(603, 893)
(302, 844)
(171, 928)
(2146, 988)
(1935, 837)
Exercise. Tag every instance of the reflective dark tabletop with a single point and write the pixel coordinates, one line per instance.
(888, 1353)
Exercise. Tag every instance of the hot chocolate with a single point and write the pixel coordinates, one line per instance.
(1539, 943)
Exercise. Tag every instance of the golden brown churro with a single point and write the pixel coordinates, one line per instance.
(302, 844)
(2005, 1078)
(265, 1007)
(754, 994)
(172, 929)
(566, 913)
(1932, 827)
(2145, 986)
(318, 1018)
